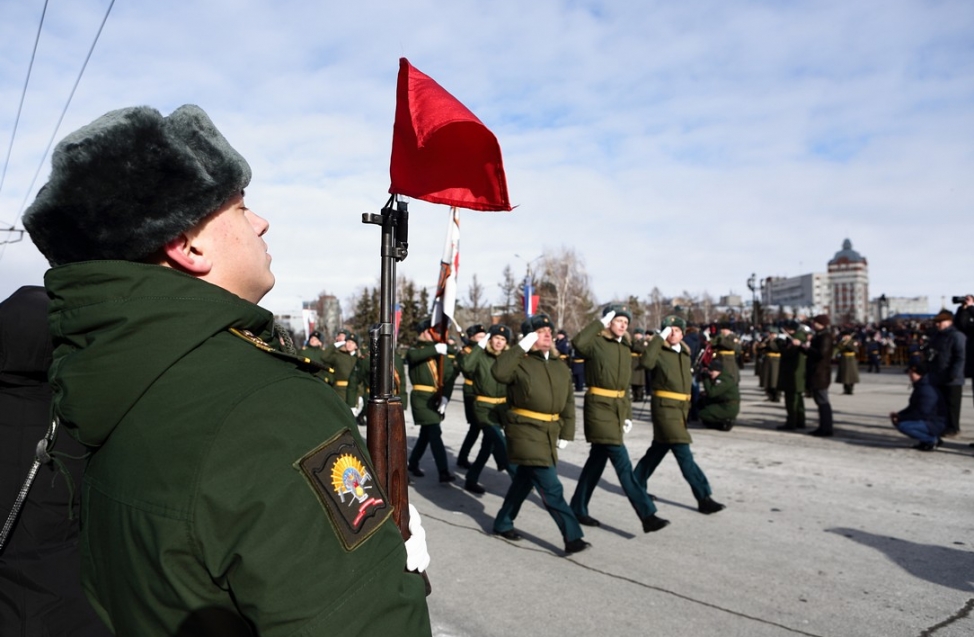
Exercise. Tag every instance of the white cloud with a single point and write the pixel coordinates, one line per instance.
(682, 145)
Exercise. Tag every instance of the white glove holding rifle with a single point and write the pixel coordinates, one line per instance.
(417, 555)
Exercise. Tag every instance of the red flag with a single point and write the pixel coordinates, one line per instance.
(441, 152)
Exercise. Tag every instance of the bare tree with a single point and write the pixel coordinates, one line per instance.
(476, 309)
(509, 294)
(566, 291)
(656, 307)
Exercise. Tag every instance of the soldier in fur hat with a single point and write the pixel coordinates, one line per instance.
(213, 451)
(670, 363)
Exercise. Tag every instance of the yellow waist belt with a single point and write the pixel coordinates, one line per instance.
(536, 415)
(341, 383)
(848, 353)
(726, 352)
(578, 360)
(608, 393)
(491, 400)
(467, 381)
(428, 388)
(671, 394)
(773, 355)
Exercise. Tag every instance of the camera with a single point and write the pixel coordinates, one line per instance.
(959, 300)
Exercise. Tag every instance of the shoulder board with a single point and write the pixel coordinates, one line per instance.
(303, 362)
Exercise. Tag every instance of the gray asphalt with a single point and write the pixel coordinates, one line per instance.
(854, 535)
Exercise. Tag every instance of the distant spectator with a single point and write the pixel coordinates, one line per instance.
(945, 359)
(964, 321)
(924, 418)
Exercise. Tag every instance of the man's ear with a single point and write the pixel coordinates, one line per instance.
(183, 254)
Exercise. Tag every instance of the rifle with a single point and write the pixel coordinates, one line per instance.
(386, 425)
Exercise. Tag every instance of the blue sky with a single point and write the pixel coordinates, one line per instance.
(673, 145)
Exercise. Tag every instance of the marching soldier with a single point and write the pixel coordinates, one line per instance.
(608, 414)
(670, 363)
(429, 398)
(341, 358)
(848, 352)
(475, 333)
(540, 420)
(490, 403)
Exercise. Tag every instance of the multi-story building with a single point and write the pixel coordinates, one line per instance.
(803, 294)
(849, 285)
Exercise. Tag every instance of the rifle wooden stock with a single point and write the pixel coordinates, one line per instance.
(386, 435)
(386, 440)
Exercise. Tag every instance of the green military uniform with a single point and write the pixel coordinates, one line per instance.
(848, 373)
(671, 391)
(489, 409)
(424, 374)
(212, 460)
(771, 367)
(342, 362)
(727, 347)
(541, 411)
(721, 404)
(473, 429)
(608, 374)
(791, 380)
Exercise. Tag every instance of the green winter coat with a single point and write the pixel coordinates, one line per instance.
(608, 366)
(722, 400)
(198, 499)
(848, 371)
(361, 377)
(670, 373)
(792, 375)
(423, 364)
(539, 384)
(727, 348)
(476, 366)
(343, 363)
(771, 363)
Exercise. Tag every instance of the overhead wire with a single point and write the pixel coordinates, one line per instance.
(23, 94)
(64, 111)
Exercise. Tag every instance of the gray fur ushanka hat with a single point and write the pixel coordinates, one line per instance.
(131, 181)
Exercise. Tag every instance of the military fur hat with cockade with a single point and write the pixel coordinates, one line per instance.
(535, 323)
(129, 182)
(620, 309)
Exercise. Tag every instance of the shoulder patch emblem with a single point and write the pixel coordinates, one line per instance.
(339, 474)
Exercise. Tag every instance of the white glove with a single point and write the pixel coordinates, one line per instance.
(611, 314)
(443, 403)
(562, 444)
(440, 349)
(357, 409)
(417, 556)
(665, 332)
(626, 426)
(528, 341)
(482, 343)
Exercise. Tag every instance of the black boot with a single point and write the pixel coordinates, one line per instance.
(709, 505)
(416, 471)
(653, 523)
(576, 546)
(587, 520)
(446, 476)
(473, 487)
